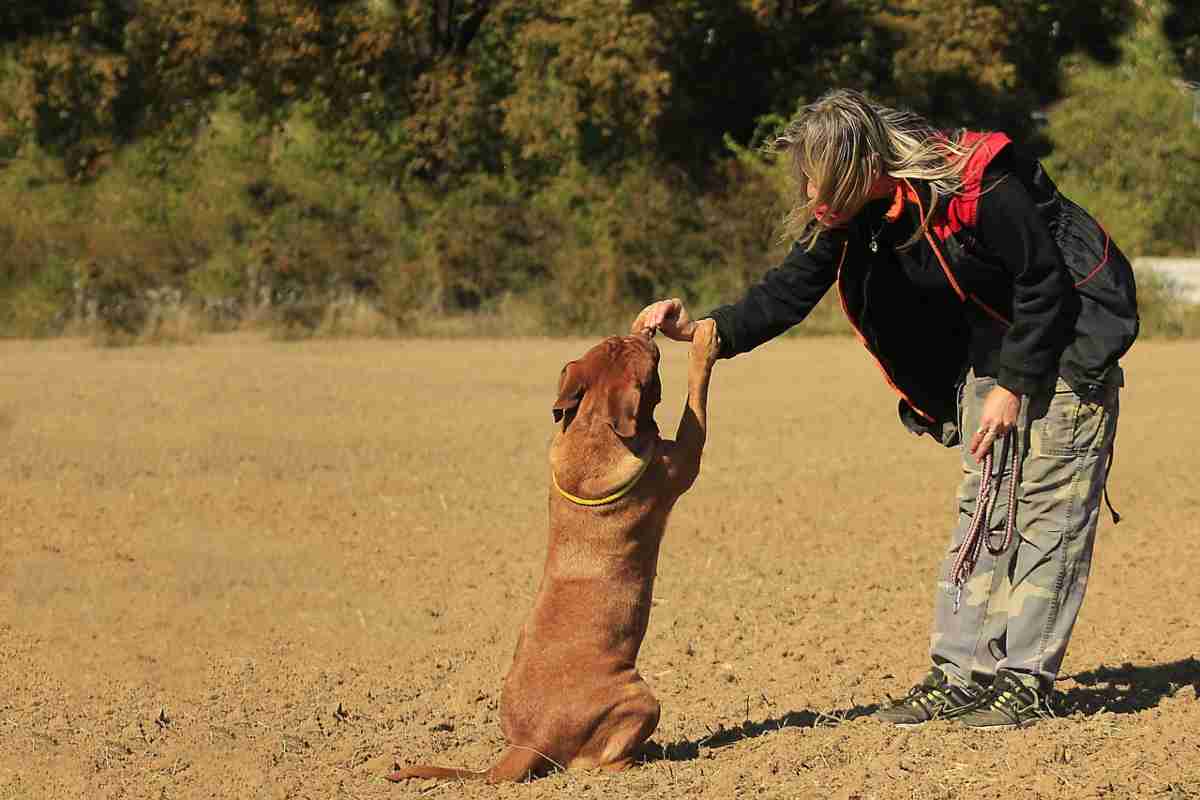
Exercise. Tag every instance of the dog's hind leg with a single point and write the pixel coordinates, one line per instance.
(618, 740)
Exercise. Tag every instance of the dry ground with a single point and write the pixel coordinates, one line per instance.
(251, 569)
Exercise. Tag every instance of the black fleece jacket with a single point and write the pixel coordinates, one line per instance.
(1016, 270)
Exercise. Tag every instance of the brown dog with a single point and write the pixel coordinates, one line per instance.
(573, 697)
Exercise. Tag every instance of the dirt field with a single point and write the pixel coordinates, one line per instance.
(250, 569)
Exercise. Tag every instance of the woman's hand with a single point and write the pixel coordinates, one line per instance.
(1000, 410)
(668, 316)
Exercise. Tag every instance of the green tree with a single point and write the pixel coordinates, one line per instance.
(988, 63)
(1126, 149)
(1181, 24)
(449, 155)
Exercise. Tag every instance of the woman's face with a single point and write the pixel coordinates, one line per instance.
(821, 212)
(883, 187)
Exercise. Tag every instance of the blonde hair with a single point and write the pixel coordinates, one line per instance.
(844, 143)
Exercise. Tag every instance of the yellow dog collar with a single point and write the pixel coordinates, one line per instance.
(615, 496)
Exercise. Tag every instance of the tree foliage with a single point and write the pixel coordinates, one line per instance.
(436, 155)
(435, 89)
(1146, 188)
(1181, 24)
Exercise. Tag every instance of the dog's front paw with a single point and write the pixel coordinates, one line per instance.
(706, 345)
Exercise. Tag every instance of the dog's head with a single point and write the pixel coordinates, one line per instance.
(615, 382)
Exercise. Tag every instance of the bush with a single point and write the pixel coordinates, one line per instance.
(1144, 187)
(1163, 310)
(353, 168)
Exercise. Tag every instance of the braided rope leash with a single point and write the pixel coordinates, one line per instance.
(977, 536)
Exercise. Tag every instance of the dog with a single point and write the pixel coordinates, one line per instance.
(573, 698)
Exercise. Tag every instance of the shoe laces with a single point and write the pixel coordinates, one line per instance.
(920, 696)
(1017, 701)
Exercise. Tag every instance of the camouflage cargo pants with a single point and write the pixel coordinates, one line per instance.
(1018, 608)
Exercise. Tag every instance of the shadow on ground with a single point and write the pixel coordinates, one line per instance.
(1126, 689)
(686, 750)
(1129, 688)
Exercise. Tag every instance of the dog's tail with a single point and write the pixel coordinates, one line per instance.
(444, 773)
(516, 764)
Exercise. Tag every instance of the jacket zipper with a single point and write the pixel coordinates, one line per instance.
(858, 332)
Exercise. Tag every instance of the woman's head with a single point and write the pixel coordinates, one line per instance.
(843, 148)
(837, 148)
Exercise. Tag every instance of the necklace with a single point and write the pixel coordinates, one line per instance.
(873, 245)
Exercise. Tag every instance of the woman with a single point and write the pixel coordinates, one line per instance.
(993, 305)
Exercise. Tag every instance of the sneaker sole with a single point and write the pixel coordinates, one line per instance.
(999, 726)
(896, 724)
(940, 717)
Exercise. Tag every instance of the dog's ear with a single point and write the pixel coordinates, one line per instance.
(571, 387)
(621, 408)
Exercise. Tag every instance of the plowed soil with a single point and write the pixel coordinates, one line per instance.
(254, 569)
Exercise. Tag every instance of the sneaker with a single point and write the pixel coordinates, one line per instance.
(932, 698)
(1008, 704)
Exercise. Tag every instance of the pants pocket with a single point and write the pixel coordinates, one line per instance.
(1070, 427)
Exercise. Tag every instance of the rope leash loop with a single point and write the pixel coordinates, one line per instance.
(977, 535)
